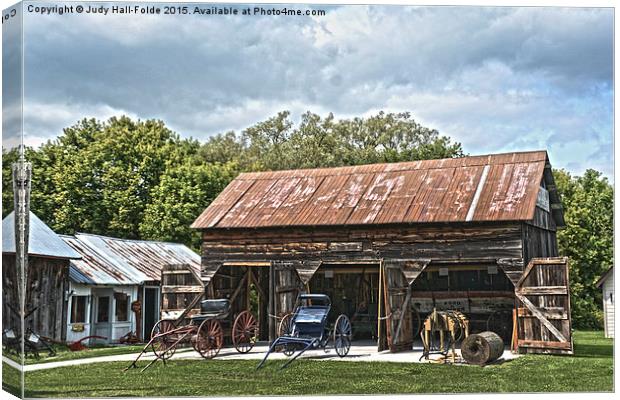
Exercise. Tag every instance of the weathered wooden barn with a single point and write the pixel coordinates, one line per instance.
(477, 234)
(47, 281)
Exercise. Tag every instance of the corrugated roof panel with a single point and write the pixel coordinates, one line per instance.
(113, 261)
(346, 200)
(316, 209)
(409, 192)
(400, 199)
(432, 208)
(42, 240)
(269, 204)
(459, 196)
(377, 193)
(222, 204)
(246, 203)
(290, 210)
(508, 192)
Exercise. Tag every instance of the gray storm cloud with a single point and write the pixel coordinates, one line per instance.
(495, 79)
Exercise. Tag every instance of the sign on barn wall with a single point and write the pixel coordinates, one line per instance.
(542, 200)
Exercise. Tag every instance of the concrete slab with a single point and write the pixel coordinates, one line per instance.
(360, 351)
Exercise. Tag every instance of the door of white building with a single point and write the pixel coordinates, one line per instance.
(102, 314)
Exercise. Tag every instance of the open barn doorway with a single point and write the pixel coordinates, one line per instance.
(246, 285)
(354, 291)
(482, 292)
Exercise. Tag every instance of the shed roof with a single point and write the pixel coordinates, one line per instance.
(42, 240)
(498, 187)
(609, 273)
(113, 261)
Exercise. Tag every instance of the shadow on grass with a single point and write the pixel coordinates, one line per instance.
(593, 351)
(12, 389)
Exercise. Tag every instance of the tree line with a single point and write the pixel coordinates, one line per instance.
(140, 180)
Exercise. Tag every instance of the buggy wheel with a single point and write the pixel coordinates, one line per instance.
(288, 349)
(416, 322)
(209, 339)
(245, 332)
(342, 335)
(163, 344)
(284, 328)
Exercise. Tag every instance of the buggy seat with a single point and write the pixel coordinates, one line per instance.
(213, 308)
(310, 321)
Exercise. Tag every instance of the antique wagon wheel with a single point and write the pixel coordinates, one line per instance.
(284, 328)
(416, 321)
(245, 332)
(342, 335)
(209, 339)
(163, 346)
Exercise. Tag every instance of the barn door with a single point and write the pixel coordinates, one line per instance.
(398, 275)
(543, 315)
(287, 287)
(398, 296)
(181, 291)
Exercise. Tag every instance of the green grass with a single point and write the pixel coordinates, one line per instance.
(11, 380)
(63, 353)
(590, 369)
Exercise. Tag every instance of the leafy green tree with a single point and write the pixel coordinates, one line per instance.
(276, 143)
(587, 240)
(181, 195)
(40, 184)
(97, 176)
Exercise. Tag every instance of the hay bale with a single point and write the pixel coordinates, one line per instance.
(482, 348)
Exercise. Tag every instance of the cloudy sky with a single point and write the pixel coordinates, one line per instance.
(494, 79)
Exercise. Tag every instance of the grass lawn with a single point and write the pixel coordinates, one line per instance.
(63, 353)
(590, 369)
(11, 380)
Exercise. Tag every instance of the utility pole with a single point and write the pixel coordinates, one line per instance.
(22, 172)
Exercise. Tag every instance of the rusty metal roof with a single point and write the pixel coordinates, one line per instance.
(495, 187)
(112, 261)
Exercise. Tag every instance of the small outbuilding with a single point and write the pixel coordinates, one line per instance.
(114, 287)
(47, 279)
(606, 284)
(389, 241)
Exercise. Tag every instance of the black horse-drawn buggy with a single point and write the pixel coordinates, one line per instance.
(307, 328)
